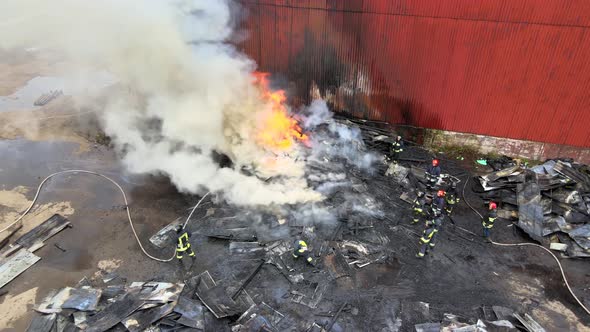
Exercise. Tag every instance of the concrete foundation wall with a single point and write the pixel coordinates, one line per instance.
(510, 147)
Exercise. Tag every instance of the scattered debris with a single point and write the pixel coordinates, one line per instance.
(35, 238)
(529, 323)
(259, 318)
(58, 247)
(546, 200)
(191, 312)
(329, 327)
(47, 97)
(166, 235)
(215, 297)
(42, 323)
(137, 306)
(245, 248)
(247, 281)
(18, 263)
(82, 299)
(142, 319)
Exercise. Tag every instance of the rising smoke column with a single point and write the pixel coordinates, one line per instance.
(182, 91)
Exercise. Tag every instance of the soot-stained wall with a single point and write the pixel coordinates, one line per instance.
(517, 69)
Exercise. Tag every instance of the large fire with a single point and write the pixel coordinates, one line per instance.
(278, 131)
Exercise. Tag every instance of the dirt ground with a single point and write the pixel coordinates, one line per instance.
(462, 275)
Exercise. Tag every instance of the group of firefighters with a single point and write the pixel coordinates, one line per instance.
(432, 210)
(428, 208)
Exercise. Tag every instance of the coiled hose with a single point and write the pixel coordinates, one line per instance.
(126, 208)
(526, 244)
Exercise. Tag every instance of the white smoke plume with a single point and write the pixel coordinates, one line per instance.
(338, 141)
(182, 91)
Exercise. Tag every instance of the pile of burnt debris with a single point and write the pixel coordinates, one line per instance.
(202, 304)
(550, 202)
(19, 256)
(151, 306)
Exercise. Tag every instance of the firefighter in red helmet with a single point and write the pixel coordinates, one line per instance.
(488, 222)
(438, 202)
(432, 174)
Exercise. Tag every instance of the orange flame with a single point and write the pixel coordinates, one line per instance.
(278, 131)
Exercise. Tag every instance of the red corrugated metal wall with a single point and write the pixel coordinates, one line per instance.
(508, 68)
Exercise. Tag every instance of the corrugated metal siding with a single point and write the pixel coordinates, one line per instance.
(518, 69)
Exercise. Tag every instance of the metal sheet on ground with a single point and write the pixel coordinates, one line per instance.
(82, 299)
(234, 234)
(427, 327)
(114, 313)
(158, 292)
(15, 265)
(245, 248)
(42, 323)
(254, 320)
(216, 299)
(220, 304)
(582, 236)
(337, 265)
(164, 236)
(44, 231)
(142, 319)
(530, 211)
(191, 311)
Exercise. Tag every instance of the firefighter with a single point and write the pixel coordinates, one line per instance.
(452, 198)
(302, 250)
(396, 148)
(420, 207)
(437, 220)
(427, 240)
(183, 244)
(432, 174)
(488, 222)
(438, 203)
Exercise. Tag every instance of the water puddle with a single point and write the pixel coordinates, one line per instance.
(26, 96)
(22, 161)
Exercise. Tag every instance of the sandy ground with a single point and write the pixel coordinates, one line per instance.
(18, 67)
(14, 202)
(15, 306)
(33, 144)
(551, 314)
(100, 240)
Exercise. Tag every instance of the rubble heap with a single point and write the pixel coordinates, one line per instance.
(550, 202)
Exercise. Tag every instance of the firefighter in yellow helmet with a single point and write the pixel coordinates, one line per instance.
(183, 244)
(397, 147)
(301, 250)
(429, 234)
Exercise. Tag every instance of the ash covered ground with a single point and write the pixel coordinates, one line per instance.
(362, 220)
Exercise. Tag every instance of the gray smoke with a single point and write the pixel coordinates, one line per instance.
(336, 141)
(182, 91)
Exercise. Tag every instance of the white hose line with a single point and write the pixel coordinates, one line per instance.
(193, 210)
(530, 244)
(124, 198)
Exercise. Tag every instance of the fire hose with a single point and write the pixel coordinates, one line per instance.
(126, 208)
(522, 245)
